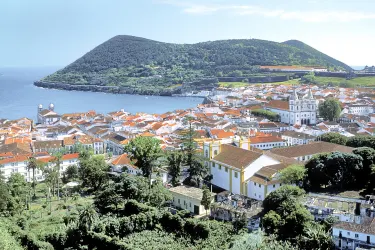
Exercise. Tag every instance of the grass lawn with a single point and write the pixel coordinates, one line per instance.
(245, 84)
(363, 81)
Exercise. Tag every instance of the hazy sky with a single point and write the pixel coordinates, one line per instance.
(56, 32)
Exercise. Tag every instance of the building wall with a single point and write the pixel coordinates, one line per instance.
(255, 190)
(187, 203)
(268, 145)
(220, 177)
(351, 237)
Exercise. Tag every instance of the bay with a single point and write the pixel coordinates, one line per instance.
(20, 98)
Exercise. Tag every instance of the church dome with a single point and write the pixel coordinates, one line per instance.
(51, 106)
(40, 106)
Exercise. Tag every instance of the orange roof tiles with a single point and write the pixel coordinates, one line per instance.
(284, 105)
(18, 158)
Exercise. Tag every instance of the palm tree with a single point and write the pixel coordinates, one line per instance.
(57, 162)
(32, 165)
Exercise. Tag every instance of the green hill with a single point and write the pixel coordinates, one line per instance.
(320, 56)
(149, 67)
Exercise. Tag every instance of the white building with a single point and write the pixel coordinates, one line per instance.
(47, 116)
(360, 109)
(232, 168)
(295, 138)
(189, 198)
(350, 235)
(295, 111)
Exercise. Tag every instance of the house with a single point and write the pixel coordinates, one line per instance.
(49, 146)
(264, 181)
(306, 152)
(17, 164)
(115, 143)
(232, 167)
(296, 138)
(189, 198)
(354, 235)
(86, 141)
(267, 142)
(123, 161)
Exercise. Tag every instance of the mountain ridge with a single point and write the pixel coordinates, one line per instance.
(147, 66)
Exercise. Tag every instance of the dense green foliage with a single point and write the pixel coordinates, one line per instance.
(334, 138)
(145, 151)
(361, 141)
(330, 109)
(148, 67)
(266, 114)
(293, 174)
(287, 218)
(337, 170)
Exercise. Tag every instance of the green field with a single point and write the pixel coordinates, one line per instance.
(342, 82)
(245, 84)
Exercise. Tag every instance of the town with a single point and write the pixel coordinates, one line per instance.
(248, 138)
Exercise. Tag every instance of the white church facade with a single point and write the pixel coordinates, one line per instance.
(296, 111)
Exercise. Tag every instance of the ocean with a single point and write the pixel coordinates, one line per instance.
(20, 98)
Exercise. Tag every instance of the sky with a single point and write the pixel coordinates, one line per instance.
(35, 33)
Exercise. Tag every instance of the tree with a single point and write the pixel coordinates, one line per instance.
(175, 160)
(198, 170)
(57, 162)
(330, 109)
(206, 198)
(109, 199)
(145, 151)
(33, 165)
(361, 141)
(309, 78)
(368, 159)
(239, 222)
(71, 173)
(336, 169)
(293, 174)
(284, 193)
(93, 172)
(285, 214)
(159, 195)
(19, 188)
(334, 138)
(87, 218)
(315, 237)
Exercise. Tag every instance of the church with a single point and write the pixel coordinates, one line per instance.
(296, 111)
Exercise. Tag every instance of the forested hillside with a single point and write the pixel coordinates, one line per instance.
(322, 57)
(150, 67)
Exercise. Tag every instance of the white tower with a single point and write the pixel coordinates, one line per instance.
(51, 107)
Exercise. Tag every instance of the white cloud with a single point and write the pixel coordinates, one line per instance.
(252, 10)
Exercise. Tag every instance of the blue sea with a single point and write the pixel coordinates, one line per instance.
(20, 98)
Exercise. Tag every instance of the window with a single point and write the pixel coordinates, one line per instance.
(260, 185)
(273, 185)
(235, 175)
(226, 169)
(219, 167)
(190, 204)
(348, 233)
(178, 201)
(255, 184)
(215, 152)
(356, 235)
(213, 164)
